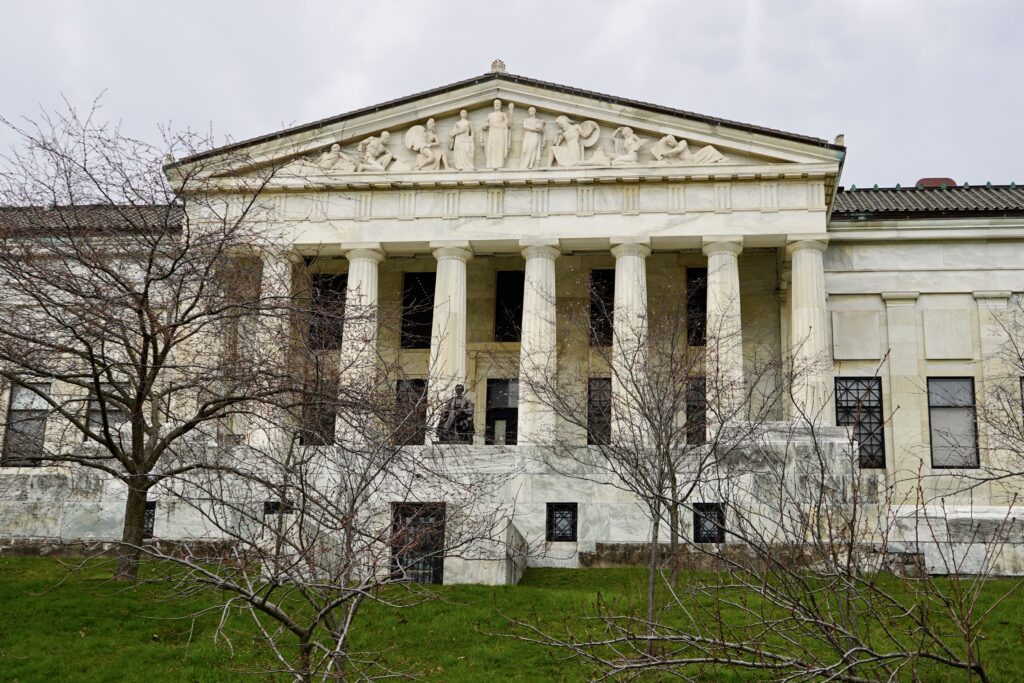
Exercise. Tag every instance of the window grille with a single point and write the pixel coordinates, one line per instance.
(149, 519)
(562, 519)
(859, 405)
(696, 411)
(599, 410)
(417, 542)
(278, 507)
(952, 422)
(708, 523)
(25, 428)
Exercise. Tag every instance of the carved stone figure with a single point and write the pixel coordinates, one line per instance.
(460, 141)
(336, 160)
(373, 154)
(571, 140)
(456, 422)
(533, 140)
(498, 135)
(668, 149)
(426, 144)
(627, 146)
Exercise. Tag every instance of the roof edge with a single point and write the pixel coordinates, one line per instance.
(511, 78)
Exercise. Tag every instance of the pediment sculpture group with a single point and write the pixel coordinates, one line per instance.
(568, 148)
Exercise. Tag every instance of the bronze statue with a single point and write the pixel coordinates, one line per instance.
(456, 423)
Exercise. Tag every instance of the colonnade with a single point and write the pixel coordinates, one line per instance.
(724, 348)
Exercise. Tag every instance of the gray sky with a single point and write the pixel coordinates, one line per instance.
(919, 87)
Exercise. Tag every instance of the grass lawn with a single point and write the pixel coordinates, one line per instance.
(55, 627)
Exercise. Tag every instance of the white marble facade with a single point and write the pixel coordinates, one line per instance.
(507, 174)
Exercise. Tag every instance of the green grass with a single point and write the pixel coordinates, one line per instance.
(81, 627)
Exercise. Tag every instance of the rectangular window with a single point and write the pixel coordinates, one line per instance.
(410, 427)
(417, 542)
(859, 405)
(319, 412)
(708, 523)
(149, 519)
(599, 411)
(108, 404)
(25, 430)
(327, 311)
(508, 305)
(696, 306)
(417, 309)
(502, 412)
(562, 520)
(278, 507)
(954, 432)
(696, 410)
(602, 306)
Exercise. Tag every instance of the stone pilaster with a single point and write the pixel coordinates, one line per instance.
(448, 331)
(811, 356)
(724, 348)
(538, 350)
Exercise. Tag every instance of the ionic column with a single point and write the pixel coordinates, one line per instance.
(724, 347)
(537, 355)
(812, 359)
(359, 339)
(629, 339)
(448, 331)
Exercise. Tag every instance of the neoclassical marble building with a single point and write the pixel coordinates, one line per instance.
(503, 193)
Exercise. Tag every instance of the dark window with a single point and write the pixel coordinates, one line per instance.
(278, 507)
(417, 309)
(859, 405)
(417, 542)
(602, 306)
(1022, 396)
(327, 311)
(25, 430)
(561, 522)
(696, 306)
(319, 412)
(508, 305)
(708, 523)
(502, 412)
(109, 404)
(410, 412)
(149, 519)
(954, 431)
(696, 410)
(599, 410)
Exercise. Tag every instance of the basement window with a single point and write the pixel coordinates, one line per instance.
(562, 521)
(708, 523)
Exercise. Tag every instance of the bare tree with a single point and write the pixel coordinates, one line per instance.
(119, 290)
(348, 508)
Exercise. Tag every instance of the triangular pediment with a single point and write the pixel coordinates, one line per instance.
(510, 127)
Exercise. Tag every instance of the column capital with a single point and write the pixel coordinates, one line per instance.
(369, 253)
(796, 244)
(540, 251)
(731, 246)
(631, 249)
(457, 253)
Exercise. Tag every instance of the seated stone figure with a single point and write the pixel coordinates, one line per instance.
(456, 422)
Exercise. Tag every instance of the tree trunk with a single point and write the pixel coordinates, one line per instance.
(131, 535)
(652, 576)
(673, 547)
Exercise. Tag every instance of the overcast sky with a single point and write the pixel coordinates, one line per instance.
(919, 87)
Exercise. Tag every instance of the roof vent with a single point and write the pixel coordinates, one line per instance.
(498, 66)
(936, 182)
